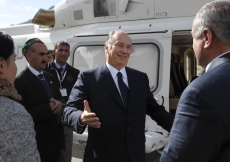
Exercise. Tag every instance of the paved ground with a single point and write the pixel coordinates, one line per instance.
(78, 151)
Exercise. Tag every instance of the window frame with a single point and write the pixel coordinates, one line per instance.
(134, 43)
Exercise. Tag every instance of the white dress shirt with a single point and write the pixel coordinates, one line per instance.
(35, 72)
(210, 63)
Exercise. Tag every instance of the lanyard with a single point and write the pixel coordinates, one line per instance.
(63, 77)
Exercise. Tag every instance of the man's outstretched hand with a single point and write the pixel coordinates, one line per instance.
(88, 117)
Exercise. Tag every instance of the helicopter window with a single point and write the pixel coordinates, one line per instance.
(88, 57)
(104, 8)
(145, 57)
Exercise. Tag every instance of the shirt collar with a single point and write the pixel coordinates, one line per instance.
(114, 71)
(210, 63)
(58, 66)
(35, 72)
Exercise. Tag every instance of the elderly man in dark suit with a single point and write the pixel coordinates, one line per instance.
(201, 130)
(116, 100)
(39, 93)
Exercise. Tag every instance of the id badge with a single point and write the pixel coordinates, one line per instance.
(63, 92)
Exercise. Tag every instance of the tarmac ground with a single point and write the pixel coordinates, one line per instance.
(79, 149)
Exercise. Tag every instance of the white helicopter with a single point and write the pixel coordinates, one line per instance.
(161, 35)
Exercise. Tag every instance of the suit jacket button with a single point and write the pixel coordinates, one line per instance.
(128, 127)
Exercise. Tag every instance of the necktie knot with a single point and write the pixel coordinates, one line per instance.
(61, 69)
(119, 74)
(41, 76)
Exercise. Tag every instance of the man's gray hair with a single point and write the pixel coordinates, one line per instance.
(216, 17)
(31, 49)
(109, 40)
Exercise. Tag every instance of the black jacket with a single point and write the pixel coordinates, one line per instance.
(121, 137)
(49, 134)
(69, 80)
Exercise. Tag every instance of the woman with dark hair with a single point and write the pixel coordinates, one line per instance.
(17, 135)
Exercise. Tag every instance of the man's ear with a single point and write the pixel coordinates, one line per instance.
(208, 37)
(28, 56)
(54, 53)
(106, 48)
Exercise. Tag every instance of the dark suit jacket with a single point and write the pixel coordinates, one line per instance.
(121, 136)
(201, 129)
(36, 101)
(69, 80)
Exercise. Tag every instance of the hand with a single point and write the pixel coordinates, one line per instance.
(52, 104)
(56, 109)
(89, 118)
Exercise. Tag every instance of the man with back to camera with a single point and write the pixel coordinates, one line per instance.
(66, 76)
(201, 129)
(116, 100)
(39, 93)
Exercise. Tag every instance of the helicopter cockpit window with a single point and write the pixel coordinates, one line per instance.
(145, 57)
(104, 8)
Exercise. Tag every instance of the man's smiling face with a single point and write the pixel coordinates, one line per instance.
(118, 53)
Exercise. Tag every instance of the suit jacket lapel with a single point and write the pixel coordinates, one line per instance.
(132, 87)
(220, 60)
(107, 82)
(35, 82)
